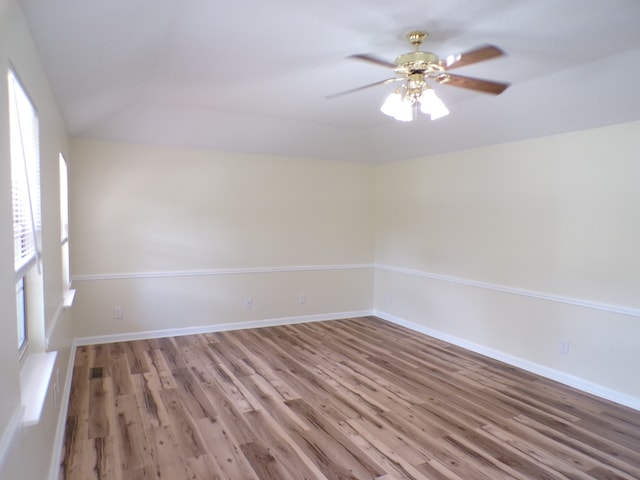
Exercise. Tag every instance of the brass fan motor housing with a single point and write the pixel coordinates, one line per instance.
(418, 62)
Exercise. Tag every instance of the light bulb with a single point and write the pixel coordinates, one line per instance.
(392, 104)
(427, 100)
(431, 104)
(439, 109)
(404, 112)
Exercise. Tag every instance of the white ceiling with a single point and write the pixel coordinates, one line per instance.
(252, 75)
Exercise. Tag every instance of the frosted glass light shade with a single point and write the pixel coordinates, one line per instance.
(431, 104)
(398, 106)
(403, 106)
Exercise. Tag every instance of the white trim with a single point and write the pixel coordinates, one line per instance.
(65, 303)
(222, 327)
(219, 271)
(634, 312)
(67, 298)
(6, 440)
(35, 376)
(550, 373)
(58, 439)
(51, 326)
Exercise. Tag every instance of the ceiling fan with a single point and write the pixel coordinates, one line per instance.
(414, 68)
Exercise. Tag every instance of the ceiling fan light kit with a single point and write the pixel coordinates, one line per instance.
(414, 68)
(405, 102)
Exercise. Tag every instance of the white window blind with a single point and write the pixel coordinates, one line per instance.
(25, 176)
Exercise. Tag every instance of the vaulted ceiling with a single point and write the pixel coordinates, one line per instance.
(252, 75)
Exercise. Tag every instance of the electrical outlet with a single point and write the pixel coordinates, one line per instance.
(302, 299)
(248, 302)
(117, 313)
(564, 346)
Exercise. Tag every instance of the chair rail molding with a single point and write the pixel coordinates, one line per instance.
(620, 309)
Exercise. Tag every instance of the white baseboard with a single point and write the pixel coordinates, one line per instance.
(9, 433)
(550, 373)
(56, 451)
(177, 332)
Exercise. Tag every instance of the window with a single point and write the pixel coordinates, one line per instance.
(25, 194)
(64, 222)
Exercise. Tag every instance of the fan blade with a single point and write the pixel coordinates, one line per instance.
(472, 56)
(487, 86)
(371, 59)
(353, 90)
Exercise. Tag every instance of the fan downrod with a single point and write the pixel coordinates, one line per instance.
(417, 37)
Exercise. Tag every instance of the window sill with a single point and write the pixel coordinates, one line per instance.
(67, 302)
(68, 297)
(35, 376)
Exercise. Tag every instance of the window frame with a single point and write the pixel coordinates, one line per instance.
(22, 317)
(24, 139)
(64, 220)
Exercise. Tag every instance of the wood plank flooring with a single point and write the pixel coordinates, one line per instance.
(342, 400)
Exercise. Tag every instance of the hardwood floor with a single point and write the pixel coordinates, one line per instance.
(348, 399)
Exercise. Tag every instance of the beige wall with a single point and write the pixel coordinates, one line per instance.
(555, 214)
(161, 214)
(152, 208)
(512, 248)
(29, 448)
(496, 245)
